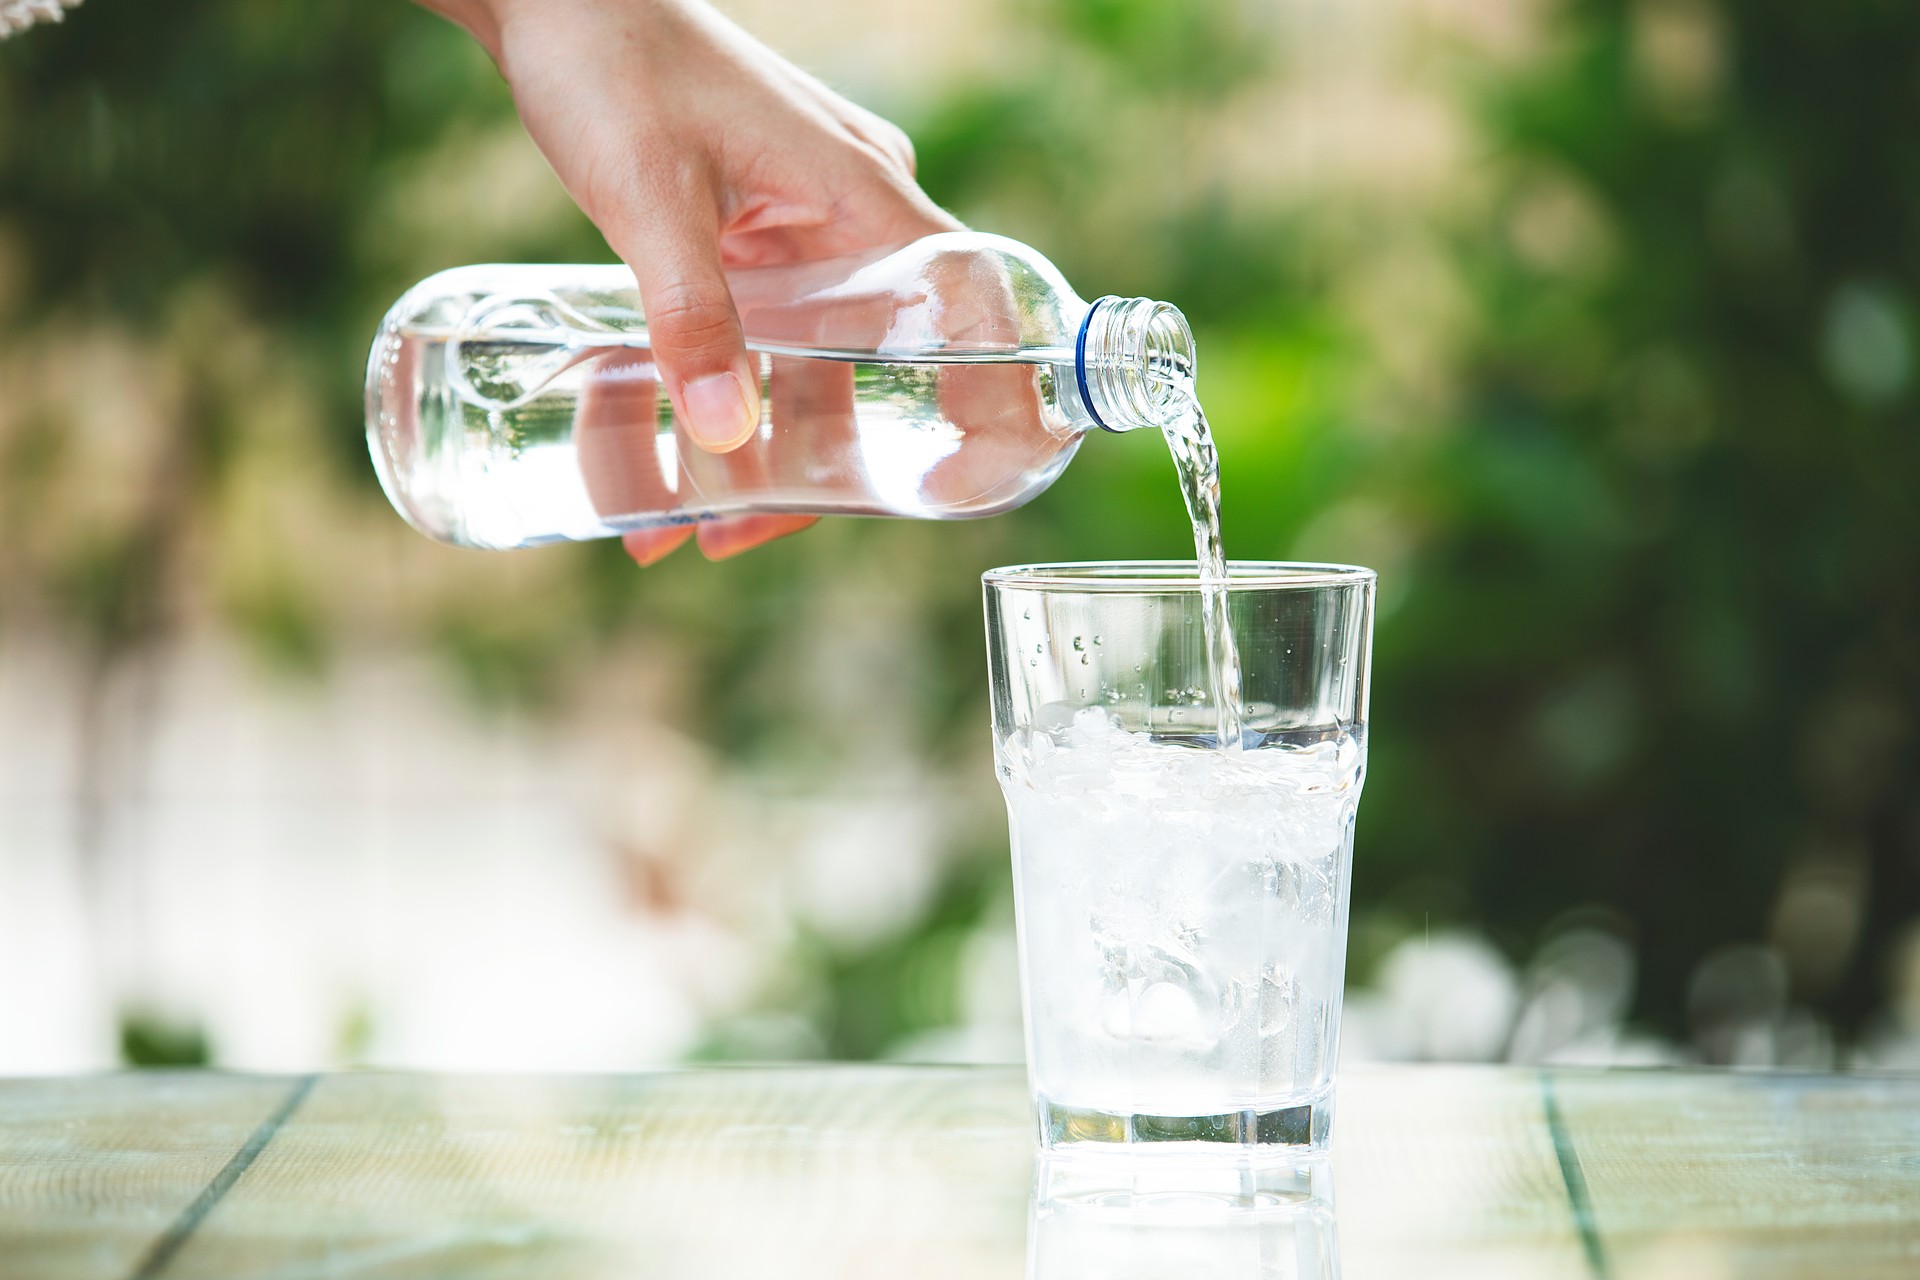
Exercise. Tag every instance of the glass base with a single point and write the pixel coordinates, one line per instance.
(1283, 1131)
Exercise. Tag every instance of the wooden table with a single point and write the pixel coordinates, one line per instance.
(922, 1172)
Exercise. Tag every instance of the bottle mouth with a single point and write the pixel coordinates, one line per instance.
(1135, 359)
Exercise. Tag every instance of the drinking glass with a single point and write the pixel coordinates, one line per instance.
(1181, 904)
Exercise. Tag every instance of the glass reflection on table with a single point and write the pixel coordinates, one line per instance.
(1152, 1220)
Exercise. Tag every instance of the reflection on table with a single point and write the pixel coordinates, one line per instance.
(930, 1172)
(1181, 1217)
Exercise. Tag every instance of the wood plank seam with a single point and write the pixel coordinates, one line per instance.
(163, 1250)
(1575, 1181)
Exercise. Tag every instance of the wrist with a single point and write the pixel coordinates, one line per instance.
(524, 22)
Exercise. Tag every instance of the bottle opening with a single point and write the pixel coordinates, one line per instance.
(1135, 360)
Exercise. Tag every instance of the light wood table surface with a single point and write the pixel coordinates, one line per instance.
(929, 1172)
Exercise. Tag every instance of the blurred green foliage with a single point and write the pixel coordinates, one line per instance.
(1665, 645)
(1624, 410)
(150, 1040)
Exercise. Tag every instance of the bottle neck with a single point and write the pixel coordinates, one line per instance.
(1134, 361)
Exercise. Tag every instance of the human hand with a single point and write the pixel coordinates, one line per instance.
(694, 148)
(966, 437)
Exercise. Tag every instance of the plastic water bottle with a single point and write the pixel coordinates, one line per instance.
(509, 406)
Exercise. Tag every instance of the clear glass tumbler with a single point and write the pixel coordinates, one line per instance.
(1182, 909)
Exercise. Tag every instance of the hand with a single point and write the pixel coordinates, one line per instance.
(693, 147)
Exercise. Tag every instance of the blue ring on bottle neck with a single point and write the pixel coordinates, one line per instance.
(1080, 361)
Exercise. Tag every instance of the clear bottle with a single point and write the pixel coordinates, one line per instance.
(509, 406)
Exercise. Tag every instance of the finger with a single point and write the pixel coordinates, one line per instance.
(650, 546)
(674, 251)
(997, 407)
(631, 470)
(876, 131)
(894, 141)
(811, 403)
(616, 437)
(999, 413)
(720, 539)
(860, 203)
(891, 207)
(889, 139)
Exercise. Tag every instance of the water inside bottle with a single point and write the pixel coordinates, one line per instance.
(509, 438)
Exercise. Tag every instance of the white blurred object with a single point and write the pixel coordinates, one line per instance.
(18, 15)
(970, 1044)
(1448, 998)
(1892, 1043)
(52, 1019)
(1455, 998)
(371, 874)
(1736, 1000)
(1579, 988)
(866, 864)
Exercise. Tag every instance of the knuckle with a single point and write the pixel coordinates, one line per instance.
(883, 140)
(693, 317)
(902, 146)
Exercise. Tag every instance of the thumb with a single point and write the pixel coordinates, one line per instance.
(691, 322)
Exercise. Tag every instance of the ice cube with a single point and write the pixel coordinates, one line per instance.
(1165, 1014)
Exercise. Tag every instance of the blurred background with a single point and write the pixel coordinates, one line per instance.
(1589, 325)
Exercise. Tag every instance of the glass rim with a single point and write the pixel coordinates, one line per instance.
(1174, 576)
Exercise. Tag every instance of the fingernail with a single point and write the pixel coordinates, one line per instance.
(650, 546)
(720, 413)
(725, 539)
